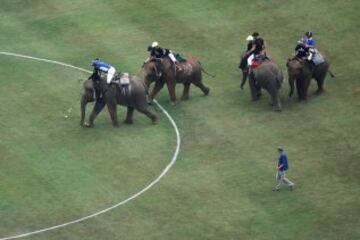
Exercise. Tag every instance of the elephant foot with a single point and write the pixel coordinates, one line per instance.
(277, 109)
(154, 120)
(319, 91)
(149, 100)
(116, 125)
(185, 98)
(87, 125)
(207, 91)
(128, 121)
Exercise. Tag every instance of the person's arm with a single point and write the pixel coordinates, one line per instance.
(265, 44)
(280, 163)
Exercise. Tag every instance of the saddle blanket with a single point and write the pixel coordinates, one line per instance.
(318, 58)
(125, 79)
(180, 57)
(256, 63)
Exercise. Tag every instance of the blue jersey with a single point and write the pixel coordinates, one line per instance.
(102, 66)
(310, 42)
(283, 160)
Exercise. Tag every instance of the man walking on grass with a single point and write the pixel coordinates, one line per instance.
(282, 167)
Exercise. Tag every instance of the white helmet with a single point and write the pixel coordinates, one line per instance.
(154, 44)
(249, 38)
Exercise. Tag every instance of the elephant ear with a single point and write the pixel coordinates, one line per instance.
(288, 60)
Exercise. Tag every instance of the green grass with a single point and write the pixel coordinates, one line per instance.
(53, 171)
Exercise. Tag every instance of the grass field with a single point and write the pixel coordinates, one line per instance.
(53, 171)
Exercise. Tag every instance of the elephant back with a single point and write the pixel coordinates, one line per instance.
(189, 67)
(268, 70)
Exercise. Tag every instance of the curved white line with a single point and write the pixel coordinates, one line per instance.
(167, 168)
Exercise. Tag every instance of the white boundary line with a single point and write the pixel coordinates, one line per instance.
(167, 168)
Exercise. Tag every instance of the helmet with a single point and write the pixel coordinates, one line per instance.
(94, 61)
(249, 38)
(308, 34)
(154, 44)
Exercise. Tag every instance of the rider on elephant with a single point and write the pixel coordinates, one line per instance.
(248, 52)
(310, 43)
(305, 49)
(257, 50)
(100, 67)
(301, 50)
(255, 47)
(157, 52)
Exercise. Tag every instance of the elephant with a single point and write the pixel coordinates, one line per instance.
(302, 71)
(135, 97)
(269, 76)
(164, 71)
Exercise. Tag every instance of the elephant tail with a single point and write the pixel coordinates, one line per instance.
(331, 74)
(203, 70)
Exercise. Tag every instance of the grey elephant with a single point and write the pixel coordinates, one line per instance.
(302, 71)
(163, 71)
(133, 96)
(269, 76)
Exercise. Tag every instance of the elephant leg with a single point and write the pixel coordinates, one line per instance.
(253, 89)
(129, 115)
(171, 88)
(301, 88)
(320, 82)
(203, 88)
(185, 95)
(113, 114)
(82, 109)
(97, 109)
(158, 86)
(86, 98)
(274, 93)
(306, 88)
(149, 114)
(198, 82)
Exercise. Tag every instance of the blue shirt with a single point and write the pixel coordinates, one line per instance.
(283, 160)
(310, 42)
(102, 66)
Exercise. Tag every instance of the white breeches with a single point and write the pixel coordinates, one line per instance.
(172, 57)
(312, 52)
(110, 75)
(250, 59)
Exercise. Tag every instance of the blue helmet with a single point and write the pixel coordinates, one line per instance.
(93, 62)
